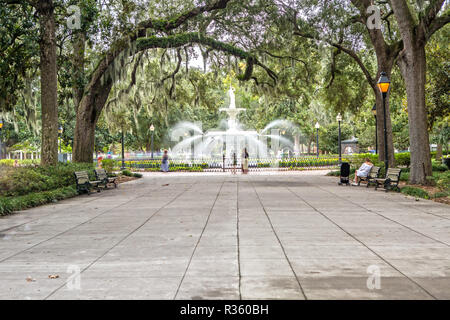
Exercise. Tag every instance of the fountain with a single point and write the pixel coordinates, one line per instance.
(213, 144)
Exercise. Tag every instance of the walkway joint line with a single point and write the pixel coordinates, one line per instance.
(356, 239)
(279, 241)
(387, 218)
(198, 241)
(123, 239)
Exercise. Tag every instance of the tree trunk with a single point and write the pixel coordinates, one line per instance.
(413, 67)
(78, 67)
(97, 90)
(87, 116)
(297, 144)
(439, 152)
(49, 145)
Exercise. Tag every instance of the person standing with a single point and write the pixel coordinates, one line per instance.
(165, 162)
(99, 161)
(245, 157)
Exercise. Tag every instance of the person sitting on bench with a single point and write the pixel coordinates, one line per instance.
(363, 171)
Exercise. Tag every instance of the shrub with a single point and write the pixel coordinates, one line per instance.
(22, 163)
(436, 166)
(415, 192)
(404, 176)
(403, 159)
(441, 194)
(357, 159)
(127, 173)
(137, 175)
(10, 204)
(25, 180)
(109, 165)
(443, 181)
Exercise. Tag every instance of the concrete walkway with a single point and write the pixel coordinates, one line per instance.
(216, 236)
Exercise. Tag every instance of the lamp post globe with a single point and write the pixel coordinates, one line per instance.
(317, 126)
(152, 130)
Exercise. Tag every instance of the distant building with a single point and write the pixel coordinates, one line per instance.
(350, 146)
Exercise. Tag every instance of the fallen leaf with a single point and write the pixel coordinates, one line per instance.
(53, 276)
(30, 279)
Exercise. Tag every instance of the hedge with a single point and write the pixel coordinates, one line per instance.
(24, 180)
(11, 204)
(415, 192)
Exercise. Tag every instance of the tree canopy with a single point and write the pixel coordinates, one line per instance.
(127, 64)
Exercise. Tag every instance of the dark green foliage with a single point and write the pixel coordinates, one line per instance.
(334, 173)
(175, 41)
(403, 159)
(441, 194)
(127, 173)
(439, 167)
(11, 204)
(21, 181)
(404, 176)
(415, 192)
(18, 50)
(109, 165)
(442, 180)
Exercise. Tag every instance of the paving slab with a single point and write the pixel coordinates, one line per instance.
(270, 235)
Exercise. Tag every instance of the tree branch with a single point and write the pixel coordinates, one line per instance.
(437, 24)
(167, 25)
(176, 41)
(404, 19)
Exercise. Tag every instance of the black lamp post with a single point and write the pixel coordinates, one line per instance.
(374, 111)
(383, 85)
(123, 152)
(339, 119)
(317, 126)
(1, 146)
(152, 130)
(60, 131)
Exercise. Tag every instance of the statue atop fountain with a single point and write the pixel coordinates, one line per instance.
(232, 111)
(197, 144)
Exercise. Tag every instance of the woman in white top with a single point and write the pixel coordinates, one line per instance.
(363, 171)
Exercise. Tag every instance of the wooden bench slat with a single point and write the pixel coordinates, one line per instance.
(393, 174)
(83, 182)
(103, 177)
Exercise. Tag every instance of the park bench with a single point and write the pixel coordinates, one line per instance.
(373, 174)
(84, 184)
(102, 176)
(390, 181)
